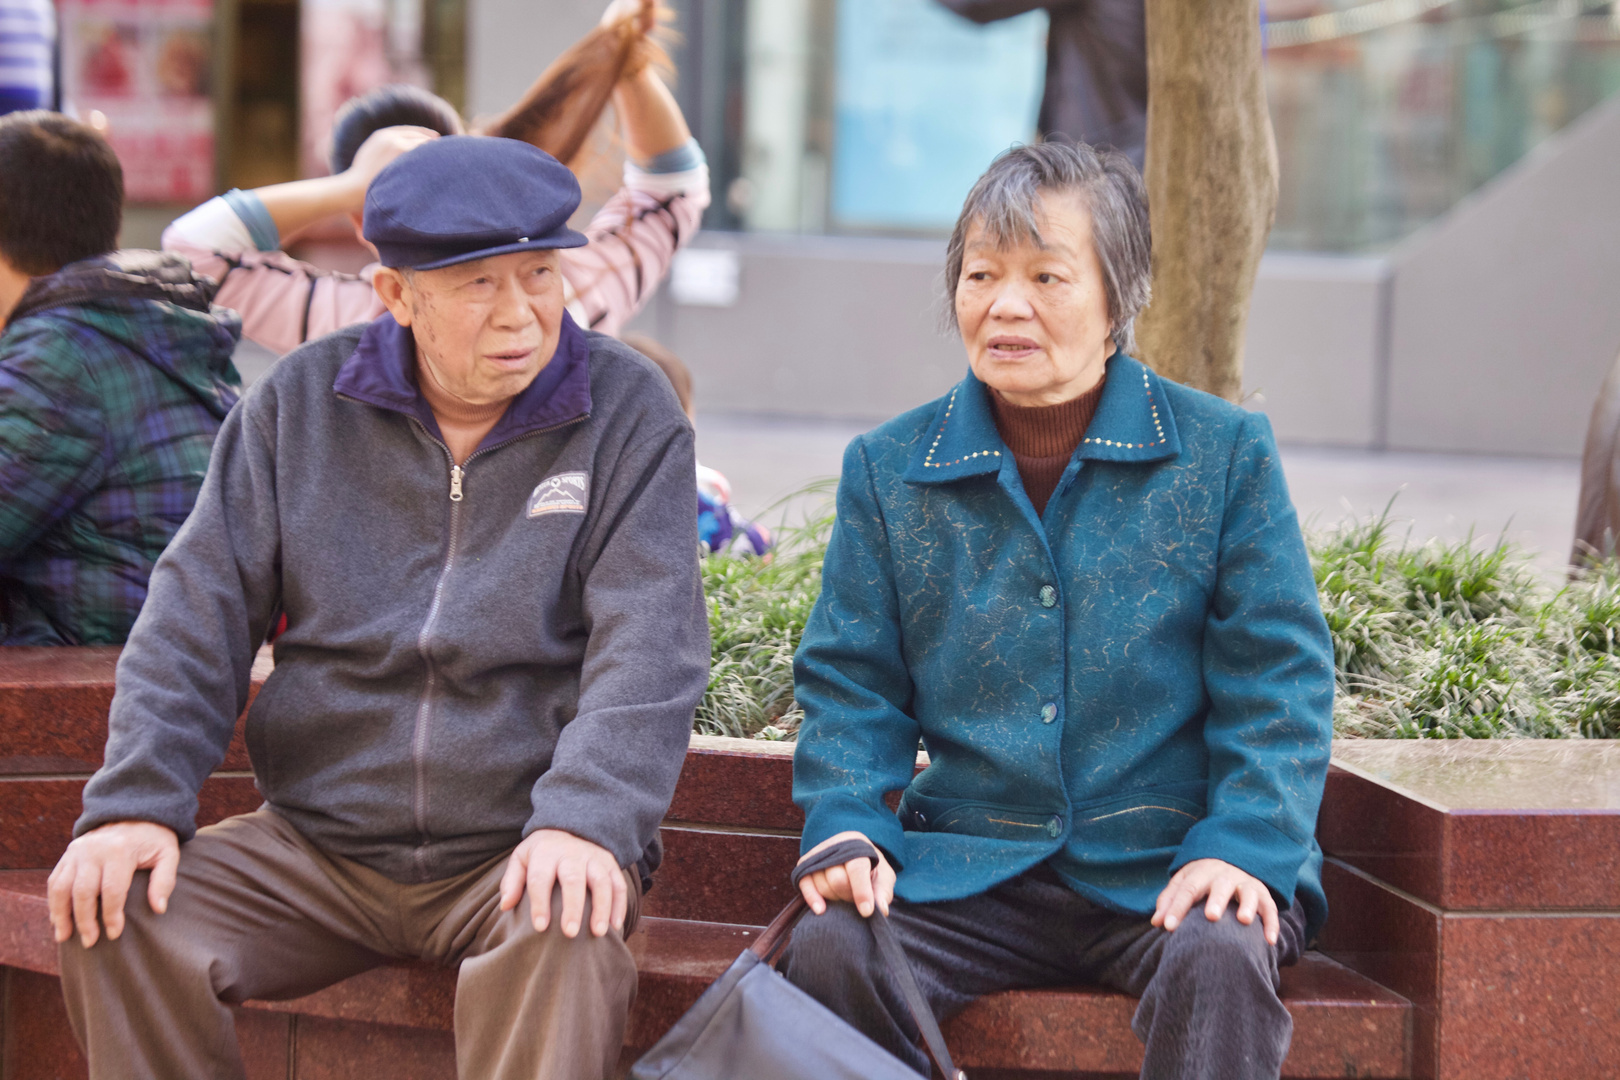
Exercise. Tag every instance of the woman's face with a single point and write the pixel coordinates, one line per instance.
(1035, 319)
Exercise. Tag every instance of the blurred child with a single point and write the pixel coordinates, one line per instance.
(721, 529)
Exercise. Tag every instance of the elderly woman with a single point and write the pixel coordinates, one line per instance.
(1084, 589)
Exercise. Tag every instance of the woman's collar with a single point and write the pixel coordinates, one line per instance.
(1133, 423)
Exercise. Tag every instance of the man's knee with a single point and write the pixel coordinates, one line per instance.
(555, 951)
(143, 929)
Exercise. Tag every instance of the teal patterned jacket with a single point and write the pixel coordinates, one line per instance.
(1139, 678)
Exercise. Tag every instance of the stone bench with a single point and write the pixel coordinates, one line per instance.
(730, 839)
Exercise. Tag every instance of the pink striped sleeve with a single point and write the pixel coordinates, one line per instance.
(633, 240)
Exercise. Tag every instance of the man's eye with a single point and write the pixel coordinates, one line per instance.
(979, 275)
(1046, 279)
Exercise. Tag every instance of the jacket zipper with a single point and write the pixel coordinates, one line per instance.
(424, 708)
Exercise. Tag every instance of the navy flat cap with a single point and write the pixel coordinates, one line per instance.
(465, 197)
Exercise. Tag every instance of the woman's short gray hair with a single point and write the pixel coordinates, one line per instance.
(1006, 202)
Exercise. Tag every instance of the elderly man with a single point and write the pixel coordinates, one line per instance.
(477, 521)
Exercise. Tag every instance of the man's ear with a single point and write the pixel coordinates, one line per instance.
(394, 290)
(359, 223)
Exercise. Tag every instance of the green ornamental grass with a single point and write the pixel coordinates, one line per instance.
(1437, 640)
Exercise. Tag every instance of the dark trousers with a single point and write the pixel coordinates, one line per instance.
(1209, 1007)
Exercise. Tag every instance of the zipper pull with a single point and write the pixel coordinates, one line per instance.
(455, 483)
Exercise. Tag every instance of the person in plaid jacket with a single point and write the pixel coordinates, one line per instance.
(115, 374)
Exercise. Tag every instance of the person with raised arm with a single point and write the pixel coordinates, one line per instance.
(236, 238)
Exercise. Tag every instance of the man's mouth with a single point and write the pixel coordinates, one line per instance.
(508, 357)
(1012, 347)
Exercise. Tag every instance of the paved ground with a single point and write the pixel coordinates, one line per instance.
(1436, 495)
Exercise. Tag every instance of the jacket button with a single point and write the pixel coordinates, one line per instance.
(1048, 713)
(1048, 596)
(1054, 828)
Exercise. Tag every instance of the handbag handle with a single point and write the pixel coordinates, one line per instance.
(774, 938)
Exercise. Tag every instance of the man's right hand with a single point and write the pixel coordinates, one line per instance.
(99, 866)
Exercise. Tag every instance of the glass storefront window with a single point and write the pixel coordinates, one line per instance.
(1380, 132)
(874, 116)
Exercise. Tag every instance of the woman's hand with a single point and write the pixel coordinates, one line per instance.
(1220, 882)
(857, 882)
(645, 13)
(300, 203)
(378, 152)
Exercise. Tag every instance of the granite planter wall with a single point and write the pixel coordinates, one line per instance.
(1481, 880)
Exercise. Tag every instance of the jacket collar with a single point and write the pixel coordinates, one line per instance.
(382, 372)
(134, 275)
(1133, 423)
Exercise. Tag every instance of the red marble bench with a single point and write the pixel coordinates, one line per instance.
(1481, 880)
(732, 821)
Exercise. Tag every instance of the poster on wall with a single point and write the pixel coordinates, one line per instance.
(925, 100)
(142, 70)
(346, 48)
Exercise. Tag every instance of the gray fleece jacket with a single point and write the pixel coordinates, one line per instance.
(471, 653)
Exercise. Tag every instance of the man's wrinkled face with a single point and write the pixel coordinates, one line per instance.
(483, 329)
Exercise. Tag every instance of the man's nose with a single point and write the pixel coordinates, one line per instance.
(512, 310)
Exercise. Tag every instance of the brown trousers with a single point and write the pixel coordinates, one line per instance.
(259, 912)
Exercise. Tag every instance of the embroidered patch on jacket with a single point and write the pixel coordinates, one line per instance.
(561, 494)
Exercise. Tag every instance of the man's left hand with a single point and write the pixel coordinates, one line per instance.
(550, 857)
(1218, 884)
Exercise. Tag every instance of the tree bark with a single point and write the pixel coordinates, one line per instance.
(1211, 175)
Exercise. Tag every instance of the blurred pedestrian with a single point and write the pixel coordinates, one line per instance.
(1096, 68)
(27, 55)
(115, 373)
(284, 302)
(1597, 514)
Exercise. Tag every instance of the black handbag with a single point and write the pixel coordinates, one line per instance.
(752, 1024)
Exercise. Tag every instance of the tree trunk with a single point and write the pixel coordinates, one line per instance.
(1212, 187)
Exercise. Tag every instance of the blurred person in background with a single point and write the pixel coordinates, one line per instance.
(115, 374)
(1096, 68)
(722, 529)
(1597, 513)
(27, 55)
(1084, 589)
(236, 238)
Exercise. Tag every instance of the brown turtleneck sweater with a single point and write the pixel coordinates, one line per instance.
(462, 423)
(1043, 438)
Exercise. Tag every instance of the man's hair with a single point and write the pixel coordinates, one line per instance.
(670, 364)
(387, 106)
(1006, 202)
(61, 192)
